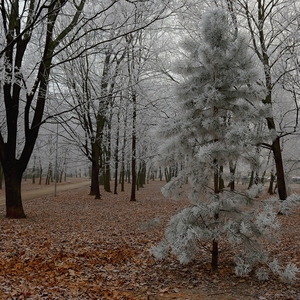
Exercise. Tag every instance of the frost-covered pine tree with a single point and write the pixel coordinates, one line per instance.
(220, 106)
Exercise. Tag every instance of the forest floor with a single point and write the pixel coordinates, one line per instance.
(75, 247)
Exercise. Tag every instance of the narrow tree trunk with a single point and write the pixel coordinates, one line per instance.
(133, 149)
(133, 179)
(1, 176)
(160, 174)
(106, 178)
(256, 178)
(232, 169)
(122, 177)
(14, 206)
(144, 173)
(282, 191)
(49, 174)
(141, 175)
(265, 59)
(116, 179)
(272, 179)
(95, 189)
(61, 175)
(40, 175)
(40, 171)
(133, 170)
(221, 180)
(33, 172)
(107, 156)
(149, 175)
(168, 174)
(251, 179)
(123, 151)
(215, 256)
(138, 180)
(128, 180)
(215, 244)
(262, 180)
(117, 155)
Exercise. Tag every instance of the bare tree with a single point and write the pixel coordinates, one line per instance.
(271, 25)
(28, 27)
(36, 37)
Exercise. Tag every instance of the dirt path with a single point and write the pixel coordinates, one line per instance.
(48, 190)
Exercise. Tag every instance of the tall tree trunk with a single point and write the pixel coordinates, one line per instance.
(122, 175)
(133, 151)
(14, 206)
(133, 179)
(16, 89)
(168, 174)
(133, 170)
(49, 175)
(160, 174)
(215, 244)
(117, 154)
(40, 171)
(265, 59)
(141, 175)
(272, 179)
(95, 189)
(251, 179)
(1, 176)
(282, 191)
(123, 152)
(107, 157)
(106, 176)
(33, 176)
(232, 169)
(263, 177)
(221, 180)
(128, 174)
(33, 169)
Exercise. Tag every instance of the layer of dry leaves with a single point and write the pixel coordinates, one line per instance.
(75, 247)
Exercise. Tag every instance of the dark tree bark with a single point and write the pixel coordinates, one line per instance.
(116, 156)
(141, 178)
(13, 51)
(133, 151)
(106, 159)
(106, 178)
(122, 173)
(160, 174)
(261, 47)
(128, 174)
(49, 174)
(1, 176)
(251, 181)
(96, 164)
(215, 243)
(132, 60)
(232, 168)
(221, 180)
(40, 171)
(282, 191)
(14, 206)
(33, 171)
